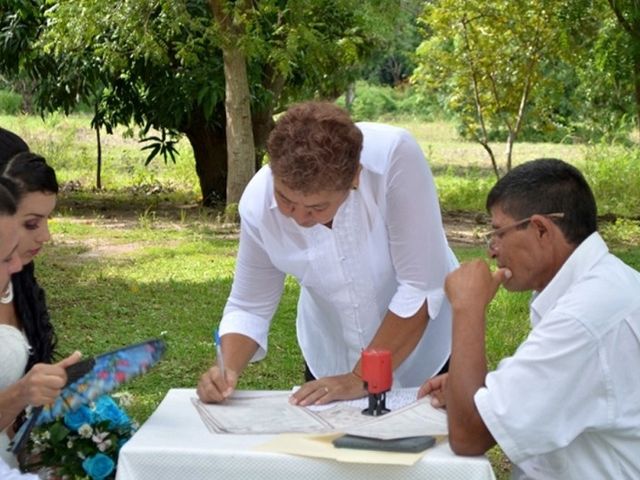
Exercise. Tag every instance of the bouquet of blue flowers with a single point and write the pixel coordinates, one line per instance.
(84, 443)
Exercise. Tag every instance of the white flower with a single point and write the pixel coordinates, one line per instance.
(104, 445)
(125, 399)
(69, 444)
(85, 430)
(46, 435)
(99, 437)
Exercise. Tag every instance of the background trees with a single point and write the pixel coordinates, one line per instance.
(544, 69)
(535, 69)
(159, 64)
(491, 61)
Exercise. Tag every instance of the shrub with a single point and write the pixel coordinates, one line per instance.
(10, 102)
(466, 191)
(614, 176)
(381, 102)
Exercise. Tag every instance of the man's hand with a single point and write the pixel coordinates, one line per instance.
(436, 387)
(472, 286)
(214, 386)
(329, 389)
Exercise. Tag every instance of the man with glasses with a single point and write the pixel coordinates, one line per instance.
(565, 405)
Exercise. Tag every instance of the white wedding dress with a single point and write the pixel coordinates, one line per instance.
(14, 353)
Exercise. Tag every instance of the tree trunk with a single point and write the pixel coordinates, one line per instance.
(241, 157)
(511, 138)
(262, 125)
(262, 114)
(98, 159)
(240, 149)
(210, 153)
(350, 95)
(636, 81)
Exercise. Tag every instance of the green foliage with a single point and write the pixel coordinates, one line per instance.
(157, 64)
(627, 65)
(392, 62)
(383, 103)
(124, 260)
(67, 142)
(498, 65)
(622, 232)
(614, 176)
(463, 190)
(10, 102)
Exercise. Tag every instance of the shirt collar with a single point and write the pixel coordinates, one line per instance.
(583, 258)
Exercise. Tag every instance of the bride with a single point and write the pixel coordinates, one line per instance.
(26, 335)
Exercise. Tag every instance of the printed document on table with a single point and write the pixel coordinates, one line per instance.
(417, 418)
(270, 413)
(258, 414)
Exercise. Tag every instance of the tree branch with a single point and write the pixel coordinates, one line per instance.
(478, 103)
(626, 25)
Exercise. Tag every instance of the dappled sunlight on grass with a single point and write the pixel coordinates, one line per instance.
(142, 259)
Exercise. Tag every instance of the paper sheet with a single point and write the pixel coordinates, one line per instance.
(259, 414)
(271, 413)
(320, 446)
(418, 418)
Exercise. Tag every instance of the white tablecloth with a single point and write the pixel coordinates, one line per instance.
(174, 444)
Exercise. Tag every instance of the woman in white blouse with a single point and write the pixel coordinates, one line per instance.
(351, 211)
(42, 383)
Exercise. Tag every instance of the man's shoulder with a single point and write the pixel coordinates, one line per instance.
(604, 296)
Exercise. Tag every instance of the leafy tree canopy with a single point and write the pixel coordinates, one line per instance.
(158, 63)
(489, 61)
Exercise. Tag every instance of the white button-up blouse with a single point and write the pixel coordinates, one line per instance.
(386, 250)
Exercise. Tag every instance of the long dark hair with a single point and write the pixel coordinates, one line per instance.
(31, 173)
(10, 144)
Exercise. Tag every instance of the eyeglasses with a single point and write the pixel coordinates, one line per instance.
(498, 233)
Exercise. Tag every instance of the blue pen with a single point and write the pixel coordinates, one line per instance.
(218, 344)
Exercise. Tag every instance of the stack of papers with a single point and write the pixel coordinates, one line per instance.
(271, 413)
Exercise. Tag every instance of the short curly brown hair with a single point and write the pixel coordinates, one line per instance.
(315, 146)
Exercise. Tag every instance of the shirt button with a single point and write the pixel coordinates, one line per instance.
(342, 259)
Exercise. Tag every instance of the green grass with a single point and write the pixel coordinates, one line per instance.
(462, 169)
(69, 144)
(109, 286)
(141, 259)
(112, 284)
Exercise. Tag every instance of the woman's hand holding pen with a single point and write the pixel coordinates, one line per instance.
(329, 389)
(220, 381)
(216, 385)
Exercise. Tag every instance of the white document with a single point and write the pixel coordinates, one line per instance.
(417, 418)
(271, 413)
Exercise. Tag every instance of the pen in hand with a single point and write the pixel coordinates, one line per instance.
(219, 358)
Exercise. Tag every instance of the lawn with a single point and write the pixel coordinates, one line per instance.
(141, 259)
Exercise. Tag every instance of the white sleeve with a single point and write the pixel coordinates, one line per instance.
(549, 392)
(8, 473)
(255, 294)
(419, 250)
